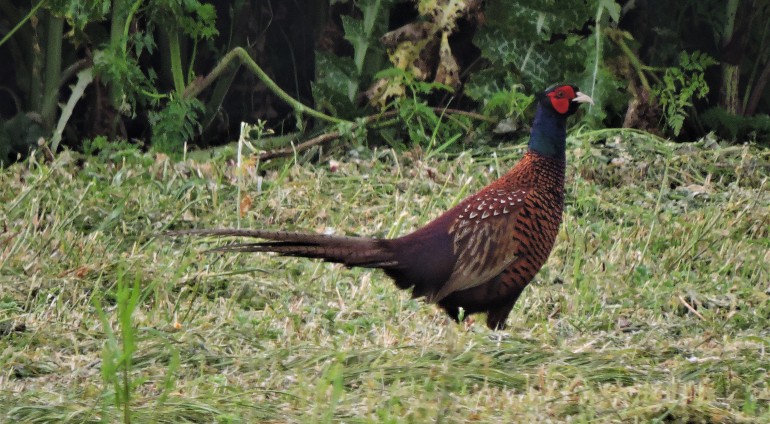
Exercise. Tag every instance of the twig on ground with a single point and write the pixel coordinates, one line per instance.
(330, 136)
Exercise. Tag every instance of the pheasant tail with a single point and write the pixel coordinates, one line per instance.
(350, 251)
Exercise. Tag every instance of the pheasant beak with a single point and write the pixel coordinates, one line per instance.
(583, 98)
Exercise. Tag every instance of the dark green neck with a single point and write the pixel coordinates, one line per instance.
(549, 133)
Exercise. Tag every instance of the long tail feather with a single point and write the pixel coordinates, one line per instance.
(351, 251)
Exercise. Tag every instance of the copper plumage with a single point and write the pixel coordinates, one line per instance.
(477, 256)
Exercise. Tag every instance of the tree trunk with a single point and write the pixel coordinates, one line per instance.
(732, 53)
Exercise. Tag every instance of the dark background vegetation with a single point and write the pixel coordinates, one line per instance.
(678, 68)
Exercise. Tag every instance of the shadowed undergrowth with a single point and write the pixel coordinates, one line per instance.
(653, 306)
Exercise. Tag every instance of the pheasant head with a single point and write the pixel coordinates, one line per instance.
(549, 130)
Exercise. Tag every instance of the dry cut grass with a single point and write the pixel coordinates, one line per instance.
(654, 306)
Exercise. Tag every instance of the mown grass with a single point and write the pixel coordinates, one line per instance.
(654, 306)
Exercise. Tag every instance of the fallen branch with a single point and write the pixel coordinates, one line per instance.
(330, 136)
(288, 151)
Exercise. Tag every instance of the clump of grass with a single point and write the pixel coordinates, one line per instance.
(653, 306)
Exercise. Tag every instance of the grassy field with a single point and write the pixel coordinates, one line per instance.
(654, 306)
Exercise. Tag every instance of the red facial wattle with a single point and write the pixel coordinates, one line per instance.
(560, 98)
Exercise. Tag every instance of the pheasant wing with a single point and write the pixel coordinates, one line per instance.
(484, 239)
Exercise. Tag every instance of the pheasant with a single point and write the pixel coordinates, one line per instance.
(477, 256)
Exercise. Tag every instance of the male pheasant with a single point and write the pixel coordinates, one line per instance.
(477, 256)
